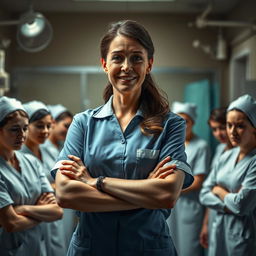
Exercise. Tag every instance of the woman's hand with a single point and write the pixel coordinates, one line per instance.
(46, 198)
(219, 192)
(162, 171)
(76, 170)
(19, 209)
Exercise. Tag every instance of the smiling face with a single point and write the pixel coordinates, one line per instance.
(240, 131)
(13, 133)
(126, 65)
(38, 131)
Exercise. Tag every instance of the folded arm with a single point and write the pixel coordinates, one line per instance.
(160, 190)
(46, 209)
(11, 221)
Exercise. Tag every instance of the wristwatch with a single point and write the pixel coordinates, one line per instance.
(99, 183)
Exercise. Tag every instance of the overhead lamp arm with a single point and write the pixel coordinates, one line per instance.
(9, 22)
(202, 22)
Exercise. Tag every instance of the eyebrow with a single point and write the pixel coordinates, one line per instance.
(140, 52)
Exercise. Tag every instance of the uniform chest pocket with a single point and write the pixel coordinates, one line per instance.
(146, 160)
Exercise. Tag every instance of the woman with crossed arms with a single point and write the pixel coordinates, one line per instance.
(26, 197)
(230, 189)
(112, 167)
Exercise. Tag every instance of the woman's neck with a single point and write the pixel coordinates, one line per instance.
(53, 140)
(6, 154)
(189, 137)
(125, 108)
(10, 158)
(245, 151)
(125, 104)
(228, 146)
(34, 147)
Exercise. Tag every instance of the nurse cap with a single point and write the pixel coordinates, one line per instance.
(56, 110)
(247, 105)
(186, 108)
(9, 105)
(33, 106)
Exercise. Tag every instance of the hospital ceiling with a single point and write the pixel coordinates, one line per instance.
(220, 7)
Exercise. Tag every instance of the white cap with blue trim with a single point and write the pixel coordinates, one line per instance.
(56, 110)
(9, 105)
(186, 108)
(33, 106)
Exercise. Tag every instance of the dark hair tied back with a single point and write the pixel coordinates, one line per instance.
(41, 113)
(153, 101)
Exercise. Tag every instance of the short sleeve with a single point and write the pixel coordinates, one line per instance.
(74, 143)
(174, 130)
(5, 198)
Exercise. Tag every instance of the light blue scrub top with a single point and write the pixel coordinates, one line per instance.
(233, 233)
(186, 220)
(220, 149)
(69, 219)
(22, 188)
(55, 231)
(96, 137)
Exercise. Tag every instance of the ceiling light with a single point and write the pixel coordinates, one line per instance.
(34, 31)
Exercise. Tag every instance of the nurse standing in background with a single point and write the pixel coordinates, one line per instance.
(230, 188)
(26, 197)
(62, 119)
(217, 123)
(40, 121)
(186, 220)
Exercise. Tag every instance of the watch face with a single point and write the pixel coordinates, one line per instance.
(99, 183)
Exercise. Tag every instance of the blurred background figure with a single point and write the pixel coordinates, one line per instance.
(62, 119)
(230, 187)
(186, 220)
(40, 121)
(217, 123)
(26, 197)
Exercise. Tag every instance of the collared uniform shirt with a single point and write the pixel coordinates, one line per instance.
(97, 138)
(232, 234)
(22, 188)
